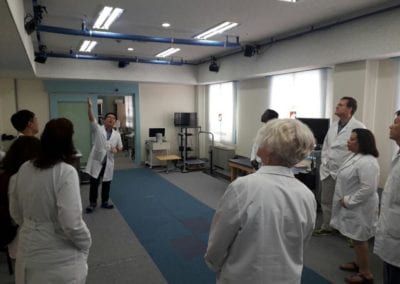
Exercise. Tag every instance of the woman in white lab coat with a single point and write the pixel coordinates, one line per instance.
(355, 202)
(45, 202)
(265, 219)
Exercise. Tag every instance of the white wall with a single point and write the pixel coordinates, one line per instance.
(252, 101)
(158, 102)
(17, 94)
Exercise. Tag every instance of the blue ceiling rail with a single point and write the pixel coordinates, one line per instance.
(121, 36)
(117, 59)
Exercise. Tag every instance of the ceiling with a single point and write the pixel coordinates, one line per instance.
(260, 22)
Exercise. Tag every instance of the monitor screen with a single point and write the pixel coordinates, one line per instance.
(319, 127)
(154, 131)
(185, 119)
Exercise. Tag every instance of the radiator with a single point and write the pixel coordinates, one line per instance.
(221, 155)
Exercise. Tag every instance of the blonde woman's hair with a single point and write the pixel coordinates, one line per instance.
(288, 140)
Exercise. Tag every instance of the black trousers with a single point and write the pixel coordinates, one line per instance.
(94, 188)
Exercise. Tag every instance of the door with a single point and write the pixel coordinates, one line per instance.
(77, 113)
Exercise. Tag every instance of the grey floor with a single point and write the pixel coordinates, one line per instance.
(117, 256)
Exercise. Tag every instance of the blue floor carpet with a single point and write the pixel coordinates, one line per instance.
(171, 225)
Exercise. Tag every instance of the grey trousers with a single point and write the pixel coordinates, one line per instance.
(327, 191)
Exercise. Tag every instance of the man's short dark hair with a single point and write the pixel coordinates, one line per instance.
(110, 113)
(268, 115)
(351, 102)
(397, 113)
(21, 118)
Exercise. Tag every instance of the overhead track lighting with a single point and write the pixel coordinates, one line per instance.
(106, 17)
(250, 50)
(122, 64)
(214, 67)
(41, 56)
(168, 52)
(216, 30)
(31, 22)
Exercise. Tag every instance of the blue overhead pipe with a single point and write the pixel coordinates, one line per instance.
(111, 58)
(121, 36)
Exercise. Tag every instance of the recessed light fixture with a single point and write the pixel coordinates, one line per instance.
(130, 49)
(218, 29)
(87, 45)
(166, 25)
(167, 52)
(106, 17)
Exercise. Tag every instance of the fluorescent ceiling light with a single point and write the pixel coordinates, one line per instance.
(166, 25)
(87, 45)
(106, 17)
(130, 49)
(216, 30)
(291, 1)
(168, 52)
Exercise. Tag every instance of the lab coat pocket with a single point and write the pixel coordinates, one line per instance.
(99, 155)
(393, 221)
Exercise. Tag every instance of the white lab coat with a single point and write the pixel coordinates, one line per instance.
(334, 150)
(387, 236)
(357, 184)
(53, 239)
(261, 227)
(253, 155)
(102, 147)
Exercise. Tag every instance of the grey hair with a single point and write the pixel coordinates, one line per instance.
(288, 140)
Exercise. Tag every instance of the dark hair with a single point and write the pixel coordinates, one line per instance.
(23, 149)
(268, 115)
(21, 118)
(112, 113)
(56, 143)
(366, 142)
(351, 102)
(397, 113)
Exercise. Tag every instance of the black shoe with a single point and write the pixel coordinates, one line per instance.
(107, 205)
(90, 208)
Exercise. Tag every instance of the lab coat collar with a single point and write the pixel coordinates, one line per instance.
(351, 160)
(276, 170)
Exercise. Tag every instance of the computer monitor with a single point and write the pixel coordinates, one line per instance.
(185, 119)
(319, 127)
(154, 131)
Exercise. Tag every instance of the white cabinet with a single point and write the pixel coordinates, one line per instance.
(154, 149)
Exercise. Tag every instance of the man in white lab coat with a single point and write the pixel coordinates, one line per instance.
(265, 117)
(334, 153)
(264, 220)
(387, 236)
(100, 164)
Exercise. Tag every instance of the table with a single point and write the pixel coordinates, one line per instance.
(240, 165)
(168, 158)
(154, 149)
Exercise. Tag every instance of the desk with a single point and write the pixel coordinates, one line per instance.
(154, 149)
(240, 165)
(167, 159)
(244, 165)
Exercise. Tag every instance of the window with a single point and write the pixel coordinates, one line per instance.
(129, 111)
(301, 94)
(221, 104)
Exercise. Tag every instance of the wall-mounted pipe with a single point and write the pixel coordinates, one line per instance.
(121, 36)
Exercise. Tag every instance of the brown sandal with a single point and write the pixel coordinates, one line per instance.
(358, 278)
(350, 266)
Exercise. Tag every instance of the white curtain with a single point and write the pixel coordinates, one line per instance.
(221, 104)
(300, 94)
